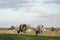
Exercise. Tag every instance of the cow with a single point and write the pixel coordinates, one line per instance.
(39, 29)
(22, 28)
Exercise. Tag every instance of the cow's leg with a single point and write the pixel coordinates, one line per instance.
(37, 32)
(18, 32)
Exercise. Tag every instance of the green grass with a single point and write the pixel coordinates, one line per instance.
(27, 37)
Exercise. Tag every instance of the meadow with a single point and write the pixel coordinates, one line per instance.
(27, 37)
(12, 35)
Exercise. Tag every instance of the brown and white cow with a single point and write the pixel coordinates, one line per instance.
(39, 29)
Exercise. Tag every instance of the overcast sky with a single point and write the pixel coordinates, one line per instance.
(34, 12)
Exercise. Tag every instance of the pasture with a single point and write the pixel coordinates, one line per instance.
(12, 35)
(46, 33)
(27, 37)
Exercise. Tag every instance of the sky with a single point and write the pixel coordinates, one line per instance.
(33, 12)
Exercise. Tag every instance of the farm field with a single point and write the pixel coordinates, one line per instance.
(27, 37)
(12, 35)
(46, 33)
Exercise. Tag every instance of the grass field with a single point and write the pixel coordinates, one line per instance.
(27, 37)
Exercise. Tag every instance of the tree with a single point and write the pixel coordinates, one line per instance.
(12, 28)
(52, 29)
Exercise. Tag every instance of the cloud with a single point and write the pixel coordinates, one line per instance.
(54, 17)
(52, 1)
(50, 20)
(15, 3)
(21, 1)
(28, 12)
(35, 11)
